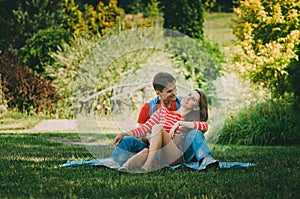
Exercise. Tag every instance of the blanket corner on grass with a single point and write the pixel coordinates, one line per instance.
(192, 165)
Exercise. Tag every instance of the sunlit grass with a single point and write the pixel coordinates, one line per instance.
(11, 120)
(217, 28)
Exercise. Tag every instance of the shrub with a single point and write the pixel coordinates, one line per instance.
(67, 62)
(25, 18)
(267, 123)
(197, 60)
(36, 51)
(185, 17)
(269, 34)
(25, 91)
(92, 20)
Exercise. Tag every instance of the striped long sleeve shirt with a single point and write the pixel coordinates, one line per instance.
(167, 118)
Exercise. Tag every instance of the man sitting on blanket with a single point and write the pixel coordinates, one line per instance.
(197, 151)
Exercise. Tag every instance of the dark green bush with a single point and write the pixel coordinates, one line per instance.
(20, 20)
(269, 123)
(36, 51)
(185, 17)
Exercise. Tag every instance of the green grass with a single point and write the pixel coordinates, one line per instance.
(217, 28)
(29, 170)
(10, 120)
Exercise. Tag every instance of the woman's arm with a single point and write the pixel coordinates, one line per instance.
(141, 130)
(147, 127)
(202, 126)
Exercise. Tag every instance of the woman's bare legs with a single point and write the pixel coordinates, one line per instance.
(161, 140)
(137, 160)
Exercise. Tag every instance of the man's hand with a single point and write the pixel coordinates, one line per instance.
(119, 137)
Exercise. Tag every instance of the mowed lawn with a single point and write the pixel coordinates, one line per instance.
(29, 169)
(217, 28)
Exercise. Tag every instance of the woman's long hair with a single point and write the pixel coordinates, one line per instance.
(198, 115)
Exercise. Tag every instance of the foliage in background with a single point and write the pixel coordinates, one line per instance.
(35, 53)
(22, 19)
(198, 61)
(220, 5)
(92, 20)
(25, 91)
(267, 123)
(73, 23)
(2, 97)
(269, 35)
(30, 17)
(63, 71)
(294, 83)
(185, 17)
(134, 6)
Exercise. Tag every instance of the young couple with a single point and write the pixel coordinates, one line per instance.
(171, 131)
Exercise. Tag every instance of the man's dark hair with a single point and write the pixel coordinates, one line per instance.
(161, 80)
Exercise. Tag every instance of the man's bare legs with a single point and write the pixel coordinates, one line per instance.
(170, 154)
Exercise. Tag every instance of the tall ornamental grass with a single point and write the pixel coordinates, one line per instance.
(271, 122)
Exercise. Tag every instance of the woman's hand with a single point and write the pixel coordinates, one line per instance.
(174, 129)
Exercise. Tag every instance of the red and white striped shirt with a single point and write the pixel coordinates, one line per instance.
(167, 118)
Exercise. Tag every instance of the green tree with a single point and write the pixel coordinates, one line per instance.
(132, 6)
(185, 17)
(268, 33)
(24, 30)
(28, 17)
(6, 19)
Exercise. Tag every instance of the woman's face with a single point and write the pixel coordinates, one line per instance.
(191, 101)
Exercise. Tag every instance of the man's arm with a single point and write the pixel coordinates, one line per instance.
(144, 114)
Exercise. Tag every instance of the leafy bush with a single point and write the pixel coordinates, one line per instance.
(92, 20)
(269, 34)
(25, 18)
(185, 17)
(197, 60)
(25, 91)
(36, 51)
(67, 62)
(267, 123)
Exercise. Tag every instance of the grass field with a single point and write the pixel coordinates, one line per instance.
(217, 28)
(29, 169)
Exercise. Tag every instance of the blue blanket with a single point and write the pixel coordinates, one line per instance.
(222, 165)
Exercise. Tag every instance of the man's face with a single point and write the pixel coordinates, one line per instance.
(168, 94)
